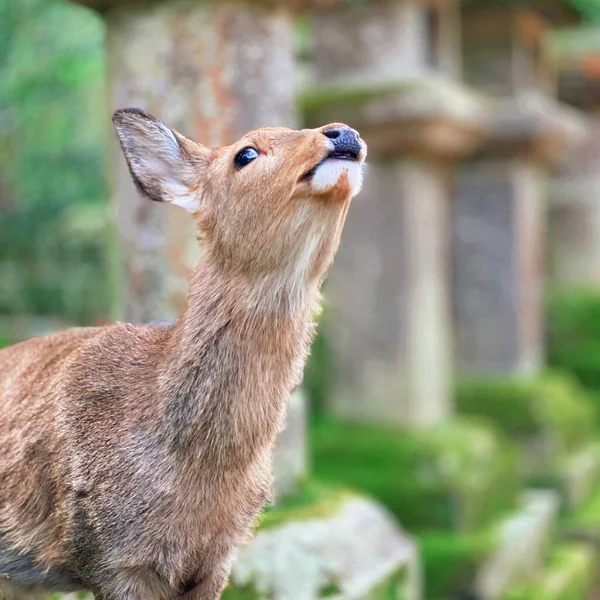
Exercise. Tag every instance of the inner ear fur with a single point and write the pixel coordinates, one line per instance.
(164, 165)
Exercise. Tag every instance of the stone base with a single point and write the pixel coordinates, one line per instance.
(522, 543)
(329, 544)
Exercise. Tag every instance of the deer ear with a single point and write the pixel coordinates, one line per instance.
(164, 165)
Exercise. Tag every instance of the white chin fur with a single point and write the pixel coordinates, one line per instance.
(328, 174)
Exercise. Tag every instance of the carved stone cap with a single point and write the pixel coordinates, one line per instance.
(430, 115)
(532, 124)
(293, 5)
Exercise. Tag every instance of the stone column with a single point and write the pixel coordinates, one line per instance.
(205, 69)
(383, 68)
(575, 208)
(498, 210)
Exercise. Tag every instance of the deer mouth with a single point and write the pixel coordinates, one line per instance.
(349, 155)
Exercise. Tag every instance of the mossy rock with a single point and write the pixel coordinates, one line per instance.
(568, 575)
(550, 416)
(327, 542)
(312, 501)
(394, 587)
(455, 477)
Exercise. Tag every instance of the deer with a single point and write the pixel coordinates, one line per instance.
(134, 459)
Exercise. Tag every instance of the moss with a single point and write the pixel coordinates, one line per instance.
(314, 500)
(550, 416)
(323, 97)
(316, 103)
(393, 588)
(456, 476)
(568, 575)
(573, 324)
(451, 561)
(329, 589)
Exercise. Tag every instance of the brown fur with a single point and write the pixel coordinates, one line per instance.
(133, 459)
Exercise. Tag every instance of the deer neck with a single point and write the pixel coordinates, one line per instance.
(232, 360)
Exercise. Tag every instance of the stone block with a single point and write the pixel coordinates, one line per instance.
(339, 546)
(523, 539)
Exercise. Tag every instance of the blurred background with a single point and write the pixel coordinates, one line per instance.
(445, 443)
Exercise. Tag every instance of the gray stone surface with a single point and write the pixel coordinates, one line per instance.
(523, 541)
(389, 287)
(388, 290)
(497, 265)
(350, 553)
(203, 69)
(290, 460)
(575, 213)
(383, 41)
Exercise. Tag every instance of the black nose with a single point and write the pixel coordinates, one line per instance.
(346, 143)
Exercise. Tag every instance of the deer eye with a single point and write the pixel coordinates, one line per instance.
(245, 156)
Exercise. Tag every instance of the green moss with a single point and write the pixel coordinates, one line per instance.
(456, 476)
(554, 404)
(316, 103)
(551, 416)
(393, 588)
(314, 500)
(240, 593)
(573, 323)
(451, 561)
(568, 575)
(329, 589)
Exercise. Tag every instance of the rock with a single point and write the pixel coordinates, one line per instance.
(358, 552)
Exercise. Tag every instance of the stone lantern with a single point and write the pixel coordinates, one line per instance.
(498, 210)
(575, 211)
(388, 68)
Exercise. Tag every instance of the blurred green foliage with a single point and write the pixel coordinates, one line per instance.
(449, 485)
(568, 575)
(573, 336)
(53, 209)
(553, 406)
(456, 476)
(451, 561)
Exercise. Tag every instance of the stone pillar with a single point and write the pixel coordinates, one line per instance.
(575, 207)
(204, 68)
(383, 68)
(212, 70)
(498, 212)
